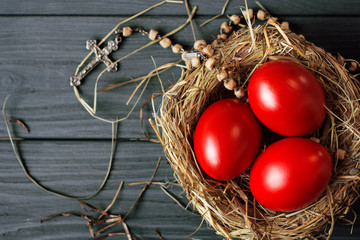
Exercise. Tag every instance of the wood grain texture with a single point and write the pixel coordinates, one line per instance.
(78, 167)
(126, 7)
(37, 73)
(41, 43)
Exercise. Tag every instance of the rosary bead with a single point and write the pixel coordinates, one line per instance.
(353, 66)
(285, 25)
(165, 43)
(176, 48)
(199, 44)
(222, 75)
(248, 13)
(210, 63)
(127, 31)
(153, 34)
(208, 51)
(222, 36)
(225, 27)
(235, 19)
(340, 154)
(195, 62)
(262, 15)
(239, 92)
(230, 84)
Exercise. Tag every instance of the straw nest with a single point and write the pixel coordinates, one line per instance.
(229, 206)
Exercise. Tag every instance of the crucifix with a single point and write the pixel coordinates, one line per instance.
(101, 55)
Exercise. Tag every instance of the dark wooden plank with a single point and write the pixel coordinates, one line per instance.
(39, 54)
(119, 8)
(78, 168)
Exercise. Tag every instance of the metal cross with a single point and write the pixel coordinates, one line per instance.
(101, 55)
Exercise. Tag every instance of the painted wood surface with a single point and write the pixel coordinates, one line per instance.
(126, 7)
(37, 73)
(42, 42)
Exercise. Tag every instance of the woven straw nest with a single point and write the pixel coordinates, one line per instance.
(229, 206)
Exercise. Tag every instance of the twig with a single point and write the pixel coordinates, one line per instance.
(14, 139)
(113, 201)
(128, 234)
(144, 188)
(216, 16)
(191, 23)
(159, 234)
(107, 227)
(111, 235)
(65, 215)
(153, 73)
(93, 207)
(156, 131)
(174, 199)
(21, 123)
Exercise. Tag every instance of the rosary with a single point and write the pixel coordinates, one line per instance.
(202, 52)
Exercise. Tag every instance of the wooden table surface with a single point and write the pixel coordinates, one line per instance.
(41, 44)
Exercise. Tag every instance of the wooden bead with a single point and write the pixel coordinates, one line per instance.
(177, 48)
(285, 25)
(353, 66)
(153, 34)
(222, 36)
(340, 154)
(127, 31)
(195, 62)
(262, 15)
(235, 19)
(208, 51)
(225, 27)
(210, 63)
(248, 13)
(239, 92)
(199, 44)
(230, 84)
(165, 43)
(222, 75)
